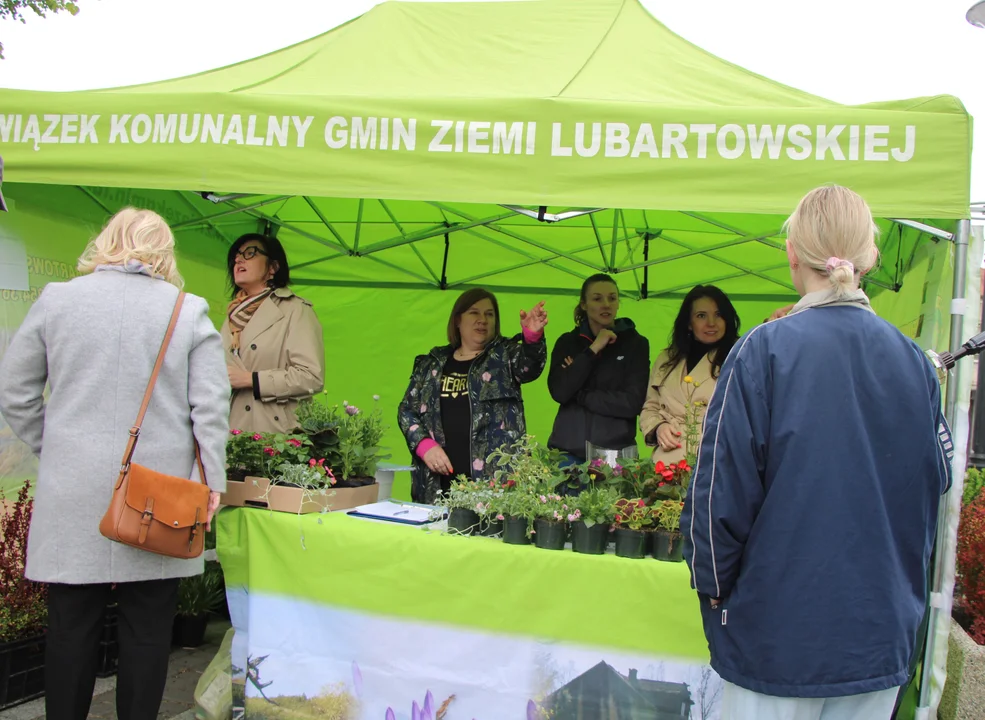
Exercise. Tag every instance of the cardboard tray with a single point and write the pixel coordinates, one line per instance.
(291, 500)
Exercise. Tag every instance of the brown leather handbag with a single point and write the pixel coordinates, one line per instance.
(152, 511)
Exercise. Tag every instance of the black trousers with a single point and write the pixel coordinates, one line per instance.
(75, 614)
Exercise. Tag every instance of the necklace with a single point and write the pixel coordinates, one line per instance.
(461, 354)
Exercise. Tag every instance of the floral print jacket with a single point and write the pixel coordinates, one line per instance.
(494, 391)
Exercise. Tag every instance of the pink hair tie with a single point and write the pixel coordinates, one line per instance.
(836, 262)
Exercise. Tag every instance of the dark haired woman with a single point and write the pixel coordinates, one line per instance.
(598, 375)
(273, 341)
(705, 330)
(464, 398)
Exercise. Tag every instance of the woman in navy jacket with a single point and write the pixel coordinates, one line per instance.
(811, 514)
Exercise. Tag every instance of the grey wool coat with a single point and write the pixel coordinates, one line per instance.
(94, 340)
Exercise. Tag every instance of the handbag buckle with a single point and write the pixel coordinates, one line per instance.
(134, 431)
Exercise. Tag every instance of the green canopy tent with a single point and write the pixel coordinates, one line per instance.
(522, 146)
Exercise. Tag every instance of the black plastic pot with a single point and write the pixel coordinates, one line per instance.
(589, 540)
(188, 631)
(630, 543)
(21, 671)
(490, 527)
(515, 531)
(668, 545)
(550, 534)
(463, 522)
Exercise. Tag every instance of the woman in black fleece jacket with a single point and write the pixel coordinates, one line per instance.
(598, 375)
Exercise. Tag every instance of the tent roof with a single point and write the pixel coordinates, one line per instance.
(589, 49)
(563, 103)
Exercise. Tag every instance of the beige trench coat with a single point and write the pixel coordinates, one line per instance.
(665, 398)
(283, 343)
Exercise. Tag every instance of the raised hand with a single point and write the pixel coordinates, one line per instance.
(534, 320)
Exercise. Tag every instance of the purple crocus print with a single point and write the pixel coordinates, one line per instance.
(390, 715)
(357, 680)
(429, 705)
(532, 713)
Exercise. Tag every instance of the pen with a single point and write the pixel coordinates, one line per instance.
(401, 512)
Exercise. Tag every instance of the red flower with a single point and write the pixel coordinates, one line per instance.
(618, 518)
(257, 436)
(661, 484)
(312, 462)
(235, 432)
(295, 443)
(660, 467)
(510, 483)
(640, 503)
(270, 451)
(667, 474)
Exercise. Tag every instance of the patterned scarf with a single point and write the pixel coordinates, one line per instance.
(240, 312)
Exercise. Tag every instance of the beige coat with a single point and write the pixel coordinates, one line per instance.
(665, 399)
(283, 343)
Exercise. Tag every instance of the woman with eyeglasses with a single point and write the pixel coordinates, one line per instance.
(275, 354)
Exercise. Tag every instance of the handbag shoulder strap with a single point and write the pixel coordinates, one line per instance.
(158, 364)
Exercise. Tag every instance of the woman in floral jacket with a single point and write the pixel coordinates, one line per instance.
(464, 399)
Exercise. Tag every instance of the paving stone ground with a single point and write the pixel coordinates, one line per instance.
(184, 669)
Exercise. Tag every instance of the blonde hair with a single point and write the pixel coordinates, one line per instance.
(833, 233)
(134, 235)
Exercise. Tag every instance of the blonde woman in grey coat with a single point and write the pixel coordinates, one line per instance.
(93, 341)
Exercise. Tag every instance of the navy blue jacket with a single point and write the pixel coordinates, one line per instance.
(812, 509)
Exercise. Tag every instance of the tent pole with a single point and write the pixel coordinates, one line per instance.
(646, 267)
(444, 264)
(615, 237)
(359, 227)
(937, 601)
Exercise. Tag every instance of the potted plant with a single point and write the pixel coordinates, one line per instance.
(198, 596)
(633, 521)
(346, 437)
(260, 454)
(526, 471)
(668, 544)
(550, 521)
(516, 509)
(464, 500)
(593, 513)
(23, 612)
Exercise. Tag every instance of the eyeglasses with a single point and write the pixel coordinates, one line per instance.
(248, 253)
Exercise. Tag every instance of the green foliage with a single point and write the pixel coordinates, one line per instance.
(667, 515)
(200, 594)
(261, 454)
(14, 10)
(596, 505)
(346, 437)
(974, 480)
(303, 476)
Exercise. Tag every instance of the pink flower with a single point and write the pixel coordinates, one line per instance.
(434, 373)
(500, 517)
(235, 432)
(543, 499)
(486, 377)
(351, 410)
(477, 464)
(257, 436)
(294, 442)
(312, 462)
(573, 516)
(557, 515)
(424, 408)
(414, 427)
(480, 507)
